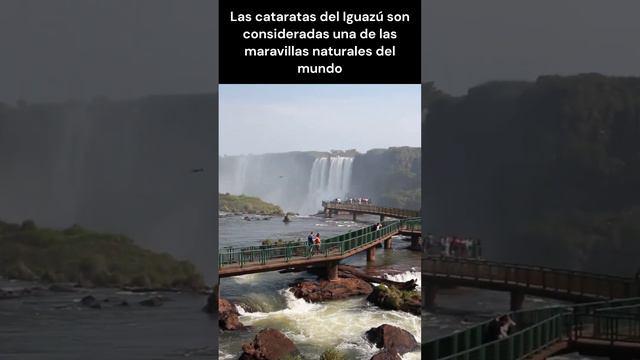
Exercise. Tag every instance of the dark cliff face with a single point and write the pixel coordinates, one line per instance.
(116, 166)
(544, 172)
(391, 177)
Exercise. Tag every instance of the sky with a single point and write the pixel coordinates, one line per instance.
(469, 42)
(56, 50)
(258, 119)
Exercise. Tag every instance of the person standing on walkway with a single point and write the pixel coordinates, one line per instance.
(317, 241)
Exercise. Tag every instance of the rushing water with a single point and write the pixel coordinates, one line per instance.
(330, 178)
(266, 302)
(53, 325)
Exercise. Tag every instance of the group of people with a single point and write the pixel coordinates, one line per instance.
(360, 201)
(452, 246)
(313, 242)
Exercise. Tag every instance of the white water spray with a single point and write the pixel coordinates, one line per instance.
(330, 178)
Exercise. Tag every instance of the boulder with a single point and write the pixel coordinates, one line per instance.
(386, 355)
(91, 301)
(269, 344)
(321, 290)
(392, 338)
(228, 316)
(152, 301)
(390, 298)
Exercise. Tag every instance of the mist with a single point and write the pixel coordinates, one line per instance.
(116, 166)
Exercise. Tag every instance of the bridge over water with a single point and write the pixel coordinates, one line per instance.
(254, 259)
(519, 280)
(610, 326)
(333, 207)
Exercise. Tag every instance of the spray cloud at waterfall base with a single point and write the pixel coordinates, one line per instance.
(296, 183)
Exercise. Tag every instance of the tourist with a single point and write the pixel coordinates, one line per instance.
(310, 239)
(505, 324)
(317, 241)
(493, 330)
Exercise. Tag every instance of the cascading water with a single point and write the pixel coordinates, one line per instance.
(330, 178)
(291, 181)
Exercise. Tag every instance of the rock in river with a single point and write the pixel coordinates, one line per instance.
(390, 298)
(269, 344)
(392, 338)
(386, 355)
(228, 316)
(91, 301)
(321, 290)
(152, 301)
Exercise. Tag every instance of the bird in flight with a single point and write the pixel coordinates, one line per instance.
(197, 170)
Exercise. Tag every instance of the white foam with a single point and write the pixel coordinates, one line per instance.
(406, 276)
(338, 324)
(244, 279)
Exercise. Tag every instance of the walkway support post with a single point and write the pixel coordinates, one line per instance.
(517, 299)
(371, 254)
(387, 243)
(332, 270)
(415, 242)
(430, 291)
(355, 216)
(381, 218)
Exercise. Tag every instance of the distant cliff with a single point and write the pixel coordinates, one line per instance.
(545, 172)
(391, 177)
(299, 181)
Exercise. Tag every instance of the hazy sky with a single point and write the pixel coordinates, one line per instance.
(467, 42)
(53, 50)
(63, 49)
(257, 119)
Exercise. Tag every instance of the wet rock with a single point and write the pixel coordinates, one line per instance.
(115, 301)
(61, 288)
(228, 316)
(152, 301)
(390, 298)
(386, 355)
(392, 338)
(269, 344)
(321, 290)
(211, 306)
(91, 302)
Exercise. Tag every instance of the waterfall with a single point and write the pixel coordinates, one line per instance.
(330, 178)
(294, 182)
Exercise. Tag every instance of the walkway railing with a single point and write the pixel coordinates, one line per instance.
(335, 246)
(371, 209)
(541, 278)
(540, 328)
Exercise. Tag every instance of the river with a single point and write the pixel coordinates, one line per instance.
(54, 325)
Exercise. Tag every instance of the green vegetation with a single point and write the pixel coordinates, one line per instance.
(396, 297)
(29, 252)
(247, 205)
(391, 177)
(333, 354)
(547, 172)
